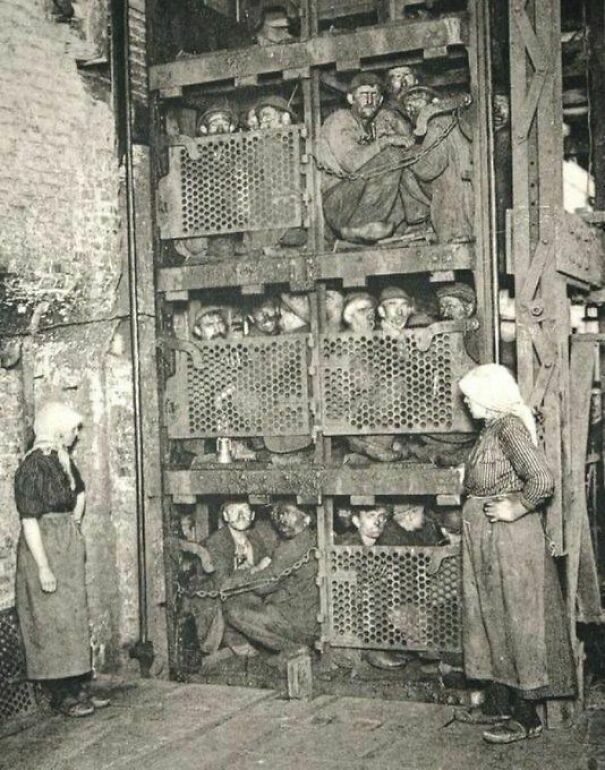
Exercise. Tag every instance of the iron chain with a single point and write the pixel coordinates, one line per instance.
(225, 593)
(410, 157)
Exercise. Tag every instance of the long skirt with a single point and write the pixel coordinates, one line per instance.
(514, 626)
(54, 625)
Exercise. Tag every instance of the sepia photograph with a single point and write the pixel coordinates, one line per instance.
(302, 384)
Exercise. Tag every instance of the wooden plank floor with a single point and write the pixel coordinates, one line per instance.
(157, 725)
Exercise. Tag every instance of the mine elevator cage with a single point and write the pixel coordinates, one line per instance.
(308, 385)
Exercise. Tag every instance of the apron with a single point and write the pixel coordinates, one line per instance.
(54, 626)
(514, 624)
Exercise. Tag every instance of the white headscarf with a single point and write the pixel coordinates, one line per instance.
(494, 388)
(52, 420)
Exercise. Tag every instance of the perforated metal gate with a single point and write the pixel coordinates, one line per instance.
(375, 383)
(17, 696)
(394, 597)
(252, 387)
(232, 183)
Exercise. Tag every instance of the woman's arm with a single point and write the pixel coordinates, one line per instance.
(78, 512)
(33, 538)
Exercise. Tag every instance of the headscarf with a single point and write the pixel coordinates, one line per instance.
(494, 387)
(52, 419)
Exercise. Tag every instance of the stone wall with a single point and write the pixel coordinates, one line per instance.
(62, 250)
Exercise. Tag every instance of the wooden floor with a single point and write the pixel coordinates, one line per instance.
(154, 725)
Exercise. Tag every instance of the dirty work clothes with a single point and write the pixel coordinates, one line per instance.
(280, 614)
(208, 612)
(445, 173)
(514, 627)
(41, 485)
(54, 625)
(382, 191)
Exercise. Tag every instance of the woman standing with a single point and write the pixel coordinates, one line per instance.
(51, 591)
(514, 628)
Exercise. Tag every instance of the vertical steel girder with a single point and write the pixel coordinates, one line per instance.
(541, 298)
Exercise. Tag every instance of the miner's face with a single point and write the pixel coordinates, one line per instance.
(363, 318)
(400, 79)
(252, 119)
(238, 516)
(219, 123)
(501, 111)
(270, 117)
(292, 521)
(210, 325)
(455, 308)
(334, 307)
(396, 312)
(411, 519)
(266, 318)
(237, 322)
(365, 101)
(371, 522)
(414, 104)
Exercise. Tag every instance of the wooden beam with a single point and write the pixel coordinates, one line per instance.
(368, 42)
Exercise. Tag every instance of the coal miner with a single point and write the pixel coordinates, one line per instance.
(368, 192)
(220, 118)
(237, 547)
(273, 112)
(210, 323)
(359, 313)
(458, 302)
(395, 308)
(335, 303)
(264, 318)
(281, 613)
(359, 316)
(444, 164)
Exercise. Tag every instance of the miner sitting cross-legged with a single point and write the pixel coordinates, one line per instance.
(281, 613)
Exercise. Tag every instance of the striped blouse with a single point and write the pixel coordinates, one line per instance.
(505, 460)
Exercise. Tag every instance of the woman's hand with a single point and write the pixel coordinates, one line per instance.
(48, 581)
(506, 509)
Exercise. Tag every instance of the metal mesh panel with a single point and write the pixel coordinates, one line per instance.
(17, 696)
(233, 183)
(395, 597)
(255, 387)
(375, 383)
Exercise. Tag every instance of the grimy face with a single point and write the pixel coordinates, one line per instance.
(454, 308)
(371, 522)
(400, 79)
(292, 521)
(397, 311)
(362, 318)
(334, 307)
(365, 101)
(413, 105)
(270, 117)
(238, 516)
(210, 325)
(252, 119)
(219, 123)
(409, 518)
(266, 318)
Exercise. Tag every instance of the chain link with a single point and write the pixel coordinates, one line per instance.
(410, 157)
(225, 593)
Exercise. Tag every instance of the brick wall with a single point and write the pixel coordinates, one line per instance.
(62, 242)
